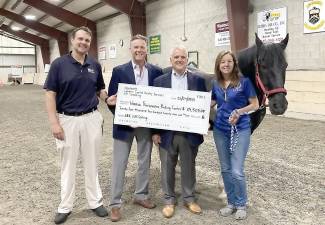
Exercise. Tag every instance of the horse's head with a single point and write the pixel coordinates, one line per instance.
(271, 66)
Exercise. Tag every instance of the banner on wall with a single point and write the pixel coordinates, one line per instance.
(272, 25)
(155, 44)
(314, 16)
(222, 36)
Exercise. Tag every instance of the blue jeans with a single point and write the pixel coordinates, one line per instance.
(232, 165)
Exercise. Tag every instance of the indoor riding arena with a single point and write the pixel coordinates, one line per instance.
(285, 172)
(73, 47)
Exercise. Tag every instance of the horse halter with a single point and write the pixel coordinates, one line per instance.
(266, 93)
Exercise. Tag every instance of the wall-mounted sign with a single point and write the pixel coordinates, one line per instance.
(222, 36)
(112, 51)
(47, 68)
(193, 59)
(155, 44)
(272, 25)
(102, 53)
(314, 16)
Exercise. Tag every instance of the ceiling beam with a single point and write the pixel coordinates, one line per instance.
(237, 12)
(5, 34)
(21, 13)
(46, 16)
(68, 17)
(136, 12)
(61, 13)
(43, 43)
(84, 12)
(60, 36)
(24, 35)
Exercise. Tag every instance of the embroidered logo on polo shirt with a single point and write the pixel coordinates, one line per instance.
(91, 70)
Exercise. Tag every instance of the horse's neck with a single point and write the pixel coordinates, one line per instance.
(246, 63)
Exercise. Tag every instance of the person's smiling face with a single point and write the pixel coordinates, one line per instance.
(81, 42)
(178, 60)
(138, 50)
(226, 65)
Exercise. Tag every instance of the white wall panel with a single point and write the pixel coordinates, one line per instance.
(111, 32)
(5, 41)
(6, 60)
(167, 19)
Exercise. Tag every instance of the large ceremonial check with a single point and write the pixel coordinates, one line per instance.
(162, 108)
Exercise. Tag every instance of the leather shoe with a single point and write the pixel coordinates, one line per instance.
(168, 211)
(115, 214)
(146, 203)
(193, 207)
(100, 211)
(61, 217)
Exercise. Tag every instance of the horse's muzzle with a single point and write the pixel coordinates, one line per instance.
(278, 104)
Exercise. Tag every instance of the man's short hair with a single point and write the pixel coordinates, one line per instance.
(180, 47)
(86, 29)
(139, 37)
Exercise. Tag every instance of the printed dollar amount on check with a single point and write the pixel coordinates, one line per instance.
(162, 108)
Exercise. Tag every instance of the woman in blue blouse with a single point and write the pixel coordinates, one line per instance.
(235, 98)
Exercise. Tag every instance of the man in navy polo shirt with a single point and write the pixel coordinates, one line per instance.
(73, 85)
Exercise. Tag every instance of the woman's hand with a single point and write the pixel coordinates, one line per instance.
(234, 117)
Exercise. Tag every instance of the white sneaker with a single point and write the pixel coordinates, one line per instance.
(241, 214)
(227, 211)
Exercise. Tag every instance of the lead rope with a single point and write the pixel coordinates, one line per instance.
(233, 138)
(233, 134)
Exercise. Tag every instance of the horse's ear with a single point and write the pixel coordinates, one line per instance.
(284, 42)
(258, 41)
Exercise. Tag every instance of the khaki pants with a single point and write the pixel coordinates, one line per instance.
(83, 135)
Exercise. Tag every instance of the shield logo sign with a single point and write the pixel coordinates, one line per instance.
(314, 15)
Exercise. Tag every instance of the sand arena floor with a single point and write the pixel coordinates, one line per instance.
(285, 172)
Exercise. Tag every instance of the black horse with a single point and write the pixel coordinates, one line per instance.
(265, 65)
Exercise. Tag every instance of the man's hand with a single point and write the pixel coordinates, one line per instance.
(111, 100)
(57, 131)
(156, 139)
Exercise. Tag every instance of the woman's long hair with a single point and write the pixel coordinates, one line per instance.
(234, 76)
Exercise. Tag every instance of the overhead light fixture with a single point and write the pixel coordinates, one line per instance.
(30, 17)
(15, 28)
(184, 38)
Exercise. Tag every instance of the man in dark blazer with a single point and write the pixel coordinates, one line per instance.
(174, 143)
(138, 72)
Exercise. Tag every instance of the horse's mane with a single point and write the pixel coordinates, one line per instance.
(246, 63)
(271, 52)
